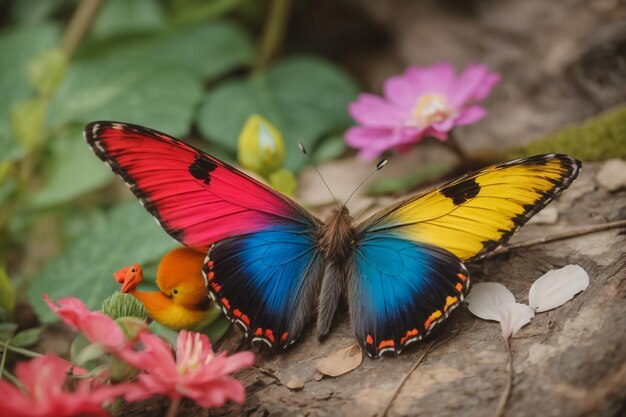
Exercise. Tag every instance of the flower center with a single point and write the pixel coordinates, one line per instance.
(431, 108)
(190, 358)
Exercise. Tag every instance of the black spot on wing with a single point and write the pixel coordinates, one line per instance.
(463, 191)
(201, 168)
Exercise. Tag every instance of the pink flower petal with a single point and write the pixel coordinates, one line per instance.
(474, 84)
(371, 110)
(46, 394)
(438, 78)
(470, 115)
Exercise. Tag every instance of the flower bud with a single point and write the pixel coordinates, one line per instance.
(260, 148)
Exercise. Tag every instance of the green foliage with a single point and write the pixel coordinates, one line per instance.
(85, 269)
(72, 171)
(123, 18)
(27, 338)
(27, 120)
(47, 70)
(19, 46)
(304, 97)
(597, 139)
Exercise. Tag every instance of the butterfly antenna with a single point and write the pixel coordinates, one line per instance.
(377, 168)
(306, 153)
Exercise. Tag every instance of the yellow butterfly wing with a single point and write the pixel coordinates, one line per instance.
(473, 214)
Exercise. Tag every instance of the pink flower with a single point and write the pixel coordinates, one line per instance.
(97, 327)
(45, 392)
(422, 102)
(197, 372)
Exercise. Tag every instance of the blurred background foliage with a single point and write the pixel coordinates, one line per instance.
(191, 68)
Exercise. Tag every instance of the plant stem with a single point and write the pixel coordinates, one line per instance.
(4, 358)
(173, 408)
(80, 22)
(273, 33)
(504, 397)
(8, 375)
(24, 352)
(580, 231)
(453, 145)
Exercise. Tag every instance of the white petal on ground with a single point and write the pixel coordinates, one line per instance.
(513, 316)
(486, 300)
(556, 287)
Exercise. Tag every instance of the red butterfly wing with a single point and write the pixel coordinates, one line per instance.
(196, 198)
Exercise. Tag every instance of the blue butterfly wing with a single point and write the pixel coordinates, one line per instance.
(399, 290)
(267, 281)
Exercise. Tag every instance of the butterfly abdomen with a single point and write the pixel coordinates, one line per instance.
(337, 244)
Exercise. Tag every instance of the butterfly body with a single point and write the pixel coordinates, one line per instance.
(272, 266)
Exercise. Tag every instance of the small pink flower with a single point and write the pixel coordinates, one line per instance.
(44, 380)
(422, 102)
(97, 327)
(197, 372)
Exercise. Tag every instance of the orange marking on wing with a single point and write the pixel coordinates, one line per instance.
(386, 343)
(449, 302)
(459, 287)
(369, 340)
(245, 319)
(211, 275)
(259, 332)
(284, 337)
(409, 334)
(211, 263)
(237, 313)
(269, 335)
(225, 303)
(462, 277)
(432, 318)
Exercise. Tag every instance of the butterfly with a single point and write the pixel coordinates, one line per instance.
(271, 264)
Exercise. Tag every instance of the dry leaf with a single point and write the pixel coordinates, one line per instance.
(556, 287)
(295, 383)
(341, 361)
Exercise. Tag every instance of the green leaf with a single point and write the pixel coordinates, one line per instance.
(73, 171)
(128, 90)
(85, 269)
(46, 71)
(27, 338)
(306, 98)
(123, 18)
(217, 329)
(18, 47)
(330, 148)
(27, 121)
(7, 330)
(408, 182)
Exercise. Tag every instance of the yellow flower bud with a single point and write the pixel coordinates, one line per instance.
(260, 148)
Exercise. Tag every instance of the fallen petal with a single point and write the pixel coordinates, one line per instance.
(514, 316)
(341, 362)
(486, 300)
(556, 287)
